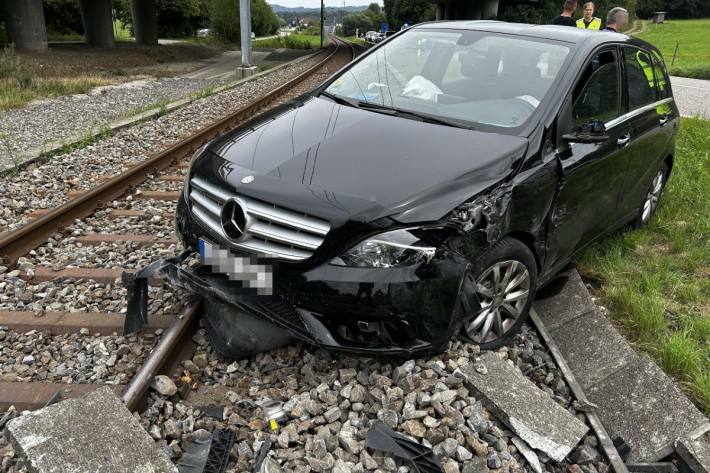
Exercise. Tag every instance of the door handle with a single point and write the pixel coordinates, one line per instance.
(663, 119)
(624, 139)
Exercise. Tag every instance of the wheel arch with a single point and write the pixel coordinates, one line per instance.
(669, 162)
(528, 240)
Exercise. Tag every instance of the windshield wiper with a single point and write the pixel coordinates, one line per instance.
(423, 117)
(375, 107)
(340, 99)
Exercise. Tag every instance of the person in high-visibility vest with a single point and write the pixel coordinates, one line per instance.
(589, 21)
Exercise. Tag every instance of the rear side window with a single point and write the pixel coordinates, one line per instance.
(596, 96)
(640, 82)
(662, 80)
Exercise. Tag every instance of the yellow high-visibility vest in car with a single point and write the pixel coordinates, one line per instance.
(595, 24)
(647, 69)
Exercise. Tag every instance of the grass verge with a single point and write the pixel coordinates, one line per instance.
(292, 41)
(15, 93)
(356, 40)
(691, 36)
(656, 280)
(18, 86)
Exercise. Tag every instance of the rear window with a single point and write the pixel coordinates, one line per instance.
(640, 81)
(662, 79)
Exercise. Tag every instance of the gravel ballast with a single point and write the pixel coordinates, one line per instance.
(331, 401)
(46, 121)
(73, 358)
(47, 185)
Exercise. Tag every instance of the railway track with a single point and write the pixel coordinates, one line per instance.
(157, 179)
(167, 340)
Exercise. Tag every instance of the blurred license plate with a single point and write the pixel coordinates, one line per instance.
(246, 269)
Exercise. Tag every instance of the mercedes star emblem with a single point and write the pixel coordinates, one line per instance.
(233, 219)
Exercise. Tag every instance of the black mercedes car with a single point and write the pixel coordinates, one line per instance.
(426, 190)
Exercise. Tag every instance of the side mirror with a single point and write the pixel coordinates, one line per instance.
(592, 132)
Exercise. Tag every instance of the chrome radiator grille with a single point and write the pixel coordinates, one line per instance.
(269, 230)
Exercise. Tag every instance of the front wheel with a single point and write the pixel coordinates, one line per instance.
(502, 283)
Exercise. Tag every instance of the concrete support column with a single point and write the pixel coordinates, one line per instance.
(98, 22)
(490, 9)
(145, 21)
(25, 24)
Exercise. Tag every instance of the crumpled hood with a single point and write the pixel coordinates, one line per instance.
(342, 163)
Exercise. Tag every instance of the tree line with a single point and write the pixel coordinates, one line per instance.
(180, 18)
(176, 18)
(398, 12)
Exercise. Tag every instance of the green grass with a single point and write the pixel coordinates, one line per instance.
(18, 87)
(656, 280)
(292, 41)
(57, 36)
(15, 93)
(122, 32)
(356, 40)
(693, 57)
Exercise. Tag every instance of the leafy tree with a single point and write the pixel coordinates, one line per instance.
(412, 12)
(224, 18)
(63, 16)
(355, 21)
(175, 17)
(375, 13)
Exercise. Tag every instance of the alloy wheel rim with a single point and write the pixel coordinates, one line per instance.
(652, 197)
(503, 291)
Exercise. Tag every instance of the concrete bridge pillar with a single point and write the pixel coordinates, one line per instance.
(489, 9)
(98, 22)
(25, 24)
(145, 21)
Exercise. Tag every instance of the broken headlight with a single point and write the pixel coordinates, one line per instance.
(387, 250)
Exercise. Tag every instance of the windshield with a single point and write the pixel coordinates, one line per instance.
(469, 76)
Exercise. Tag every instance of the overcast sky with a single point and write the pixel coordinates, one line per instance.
(316, 3)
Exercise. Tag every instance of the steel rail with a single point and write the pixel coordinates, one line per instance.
(159, 357)
(21, 241)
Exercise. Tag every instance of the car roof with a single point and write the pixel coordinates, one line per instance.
(554, 32)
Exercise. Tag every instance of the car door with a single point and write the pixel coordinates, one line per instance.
(591, 172)
(651, 118)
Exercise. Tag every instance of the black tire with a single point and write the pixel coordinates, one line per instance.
(644, 215)
(236, 335)
(501, 254)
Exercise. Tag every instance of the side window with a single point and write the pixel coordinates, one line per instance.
(640, 83)
(596, 96)
(662, 80)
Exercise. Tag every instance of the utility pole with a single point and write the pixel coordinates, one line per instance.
(245, 29)
(322, 17)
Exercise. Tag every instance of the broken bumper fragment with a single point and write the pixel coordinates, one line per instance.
(381, 311)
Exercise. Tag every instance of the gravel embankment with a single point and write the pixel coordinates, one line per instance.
(47, 185)
(46, 121)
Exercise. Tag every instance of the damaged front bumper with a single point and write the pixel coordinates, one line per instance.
(380, 311)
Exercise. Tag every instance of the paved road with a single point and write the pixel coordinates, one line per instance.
(692, 96)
